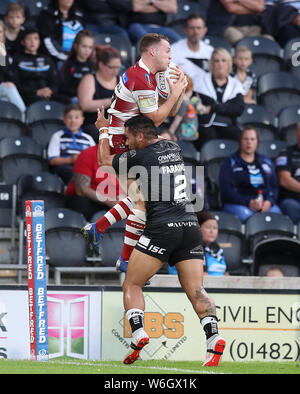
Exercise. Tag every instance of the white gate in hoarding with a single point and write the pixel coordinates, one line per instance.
(66, 312)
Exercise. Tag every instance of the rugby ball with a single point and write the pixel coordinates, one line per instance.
(162, 83)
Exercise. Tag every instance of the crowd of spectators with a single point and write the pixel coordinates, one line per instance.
(54, 56)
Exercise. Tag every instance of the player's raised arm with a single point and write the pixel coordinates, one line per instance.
(104, 156)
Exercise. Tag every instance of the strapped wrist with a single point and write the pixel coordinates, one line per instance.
(103, 130)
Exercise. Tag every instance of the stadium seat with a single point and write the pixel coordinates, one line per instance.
(98, 215)
(265, 225)
(8, 222)
(11, 123)
(288, 119)
(34, 7)
(41, 186)
(124, 46)
(65, 245)
(231, 240)
(44, 110)
(216, 150)
(189, 152)
(185, 9)
(112, 244)
(291, 56)
(271, 149)
(212, 156)
(8, 201)
(218, 42)
(276, 89)
(44, 118)
(262, 120)
(266, 54)
(20, 156)
(3, 7)
(279, 251)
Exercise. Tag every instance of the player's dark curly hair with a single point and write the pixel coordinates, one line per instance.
(142, 124)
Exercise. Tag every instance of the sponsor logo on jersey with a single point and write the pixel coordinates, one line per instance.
(149, 80)
(125, 78)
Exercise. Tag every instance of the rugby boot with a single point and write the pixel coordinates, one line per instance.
(139, 340)
(215, 349)
(93, 237)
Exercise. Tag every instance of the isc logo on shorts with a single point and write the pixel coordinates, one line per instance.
(144, 243)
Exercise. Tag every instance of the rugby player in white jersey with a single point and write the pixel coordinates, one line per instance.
(137, 93)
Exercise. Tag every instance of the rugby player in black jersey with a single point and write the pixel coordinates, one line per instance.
(172, 232)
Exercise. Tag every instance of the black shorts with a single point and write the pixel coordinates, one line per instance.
(172, 242)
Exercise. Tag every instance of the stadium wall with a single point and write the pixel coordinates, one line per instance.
(259, 323)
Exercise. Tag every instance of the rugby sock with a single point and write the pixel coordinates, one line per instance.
(210, 326)
(135, 318)
(118, 212)
(135, 225)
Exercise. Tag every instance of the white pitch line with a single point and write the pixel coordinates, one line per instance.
(138, 367)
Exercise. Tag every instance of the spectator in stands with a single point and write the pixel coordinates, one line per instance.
(243, 175)
(288, 170)
(192, 54)
(107, 17)
(91, 189)
(214, 261)
(241, 71)
(8, 90)
(66, 144)
(275, 271)
(96, 90)
(34, 73)
(59, 24)
(286, 17)
(221, 100)
(184, 125)
(14, 19)
(246, 22)
(78, 64)
(150, 17)
(218, 19)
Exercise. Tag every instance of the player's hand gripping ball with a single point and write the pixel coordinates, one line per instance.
(162, 83)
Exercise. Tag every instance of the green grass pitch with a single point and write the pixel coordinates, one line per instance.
(74, 366)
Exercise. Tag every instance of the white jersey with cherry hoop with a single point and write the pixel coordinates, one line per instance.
(136, 93)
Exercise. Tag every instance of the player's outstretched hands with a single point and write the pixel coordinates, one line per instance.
(176, 88)
(101, 119)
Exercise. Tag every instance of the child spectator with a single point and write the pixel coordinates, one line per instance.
(185, 124)
(77, 65)
(8, 90)
(242, 61)
(66, 144)
(35, 74)
(14, 19)
(59, 24)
